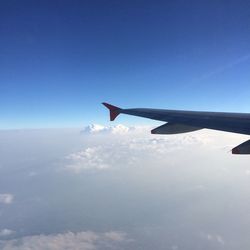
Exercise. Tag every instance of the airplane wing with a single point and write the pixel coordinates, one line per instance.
(180, 121)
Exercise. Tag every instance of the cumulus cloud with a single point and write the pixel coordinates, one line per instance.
(89, 158)
(5, 232)
(137, 147)
(215, 238)
(129, 149)
(99, 129)
(6, 198)
(85, 240)
(115, 236)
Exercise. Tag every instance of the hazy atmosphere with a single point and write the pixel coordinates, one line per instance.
(122, 188)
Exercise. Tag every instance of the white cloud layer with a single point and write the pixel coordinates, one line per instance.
(136, 145)
(86, 240)
(6, 198)
(133, 181)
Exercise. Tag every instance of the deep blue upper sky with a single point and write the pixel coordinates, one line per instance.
(60, 59)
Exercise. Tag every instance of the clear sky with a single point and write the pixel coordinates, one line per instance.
(60, 59)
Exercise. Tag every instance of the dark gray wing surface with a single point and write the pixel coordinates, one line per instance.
(180, 121)
(230, 122)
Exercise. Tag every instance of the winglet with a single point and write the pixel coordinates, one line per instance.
(242, 149)
(114, 111)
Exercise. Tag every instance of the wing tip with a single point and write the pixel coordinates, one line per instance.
(235, 151)
(113, 110)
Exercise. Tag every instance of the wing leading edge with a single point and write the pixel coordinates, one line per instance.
(180, 121)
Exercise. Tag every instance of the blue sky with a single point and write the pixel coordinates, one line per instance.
(60, 59)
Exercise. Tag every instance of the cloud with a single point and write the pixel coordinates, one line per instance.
(133, 147)
(137, 147)
(215, 238)
(6, 198)
(115, 236)
(6, 232)
(139, 180)
(220, 240)
(93, 128)
(85, 240)
(99, 129)
(89, 158)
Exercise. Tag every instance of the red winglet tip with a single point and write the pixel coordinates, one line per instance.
(235, 151)
(114, 111)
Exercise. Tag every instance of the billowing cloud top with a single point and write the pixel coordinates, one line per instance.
(117, 129)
